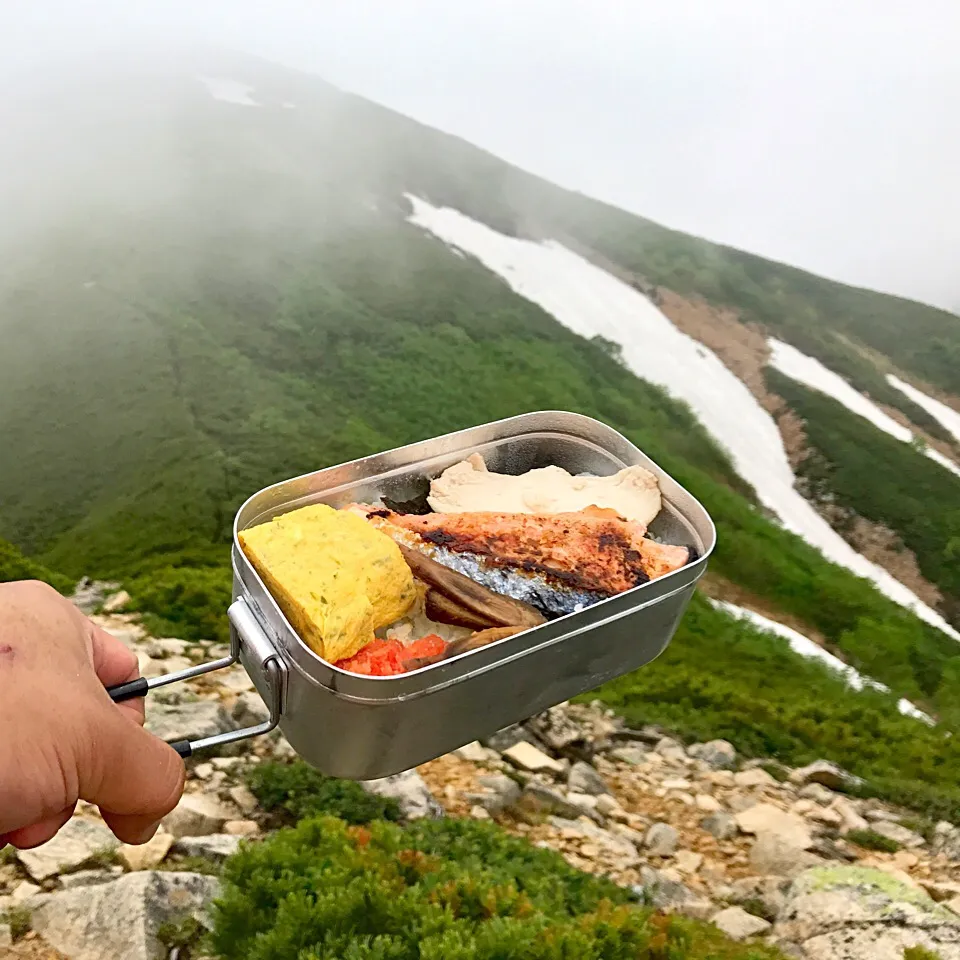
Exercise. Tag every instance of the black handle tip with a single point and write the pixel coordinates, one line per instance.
(129, 690)
(182, 747)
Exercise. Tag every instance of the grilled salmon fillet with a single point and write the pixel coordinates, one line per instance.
(584, 552)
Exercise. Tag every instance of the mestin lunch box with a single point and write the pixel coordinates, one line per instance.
(363, 727)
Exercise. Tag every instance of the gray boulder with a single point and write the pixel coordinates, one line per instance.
(661, 840)
(500, 792)
(854, 913)
(584, 779)
(721, 824)
(717, 754)
(119, 920)
(410, 791)
(187, 721)
(737, 924)
(75, 844)
(827, 774)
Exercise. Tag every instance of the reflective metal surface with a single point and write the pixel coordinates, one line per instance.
(367, 727)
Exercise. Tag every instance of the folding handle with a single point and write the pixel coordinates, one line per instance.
(247, 636)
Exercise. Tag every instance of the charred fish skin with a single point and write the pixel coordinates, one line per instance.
(552, 601)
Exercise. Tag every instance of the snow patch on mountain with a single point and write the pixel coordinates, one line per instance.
(805, 647)
(812, 373)
(229, 91)
(947, 416)
(591, 302)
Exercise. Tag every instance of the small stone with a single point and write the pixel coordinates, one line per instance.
(707, 803)
(609, 806)
(6, 936)
(953, 905)
(661, 840)
(160, 649)
(584, 779)
(662, 891)
(473, 752)
(203, 771)
(508, 737)
(898, 833)
(77, 841)
(146, 856)
(25, 890)
(851, 820)
(633, 754)
(717, 754)
(501, 792)
(737, 924)
(241, 828)
(226, 763)
(721, 825)
(826, 816)
(686, 861)
(116, 602)
(542, 799)
(827, 774)
(817, 793)
(246, 802)
(766, 818)
(775, 854)
(528, 757)
(676, 783)
(755, 778)
(195, 816)
(217, 847)
(721, 778)
(478, 813)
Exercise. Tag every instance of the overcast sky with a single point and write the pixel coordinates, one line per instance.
(825, 133)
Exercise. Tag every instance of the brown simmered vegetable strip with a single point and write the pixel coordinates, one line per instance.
(442, 609)
(479, 639)
(491, 607)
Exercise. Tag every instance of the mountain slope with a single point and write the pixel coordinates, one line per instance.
(206, 296)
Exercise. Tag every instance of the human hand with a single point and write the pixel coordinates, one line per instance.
(62, 739)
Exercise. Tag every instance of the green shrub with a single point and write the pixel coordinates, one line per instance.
(292, 791)
(920, 953)
(871, 840)
(184, 601)
(18, 919)
(441, 890)
(15, 566)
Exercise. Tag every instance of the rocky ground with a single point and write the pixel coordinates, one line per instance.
(779, 857)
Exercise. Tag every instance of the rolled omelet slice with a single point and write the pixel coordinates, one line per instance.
(336, 577)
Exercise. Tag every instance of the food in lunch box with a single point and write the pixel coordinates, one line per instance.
(382, 591)
(557, 563)
(337, 578)
(469, 486)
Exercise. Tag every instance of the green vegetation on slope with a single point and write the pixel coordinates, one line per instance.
(294, 791)
(437, 890)
(15, 566)
(362, 353)
(722, 678)
(876, 476)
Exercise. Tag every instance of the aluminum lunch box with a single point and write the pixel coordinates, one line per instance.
(363, 728)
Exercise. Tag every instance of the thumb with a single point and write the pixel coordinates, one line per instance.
(133, 777)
